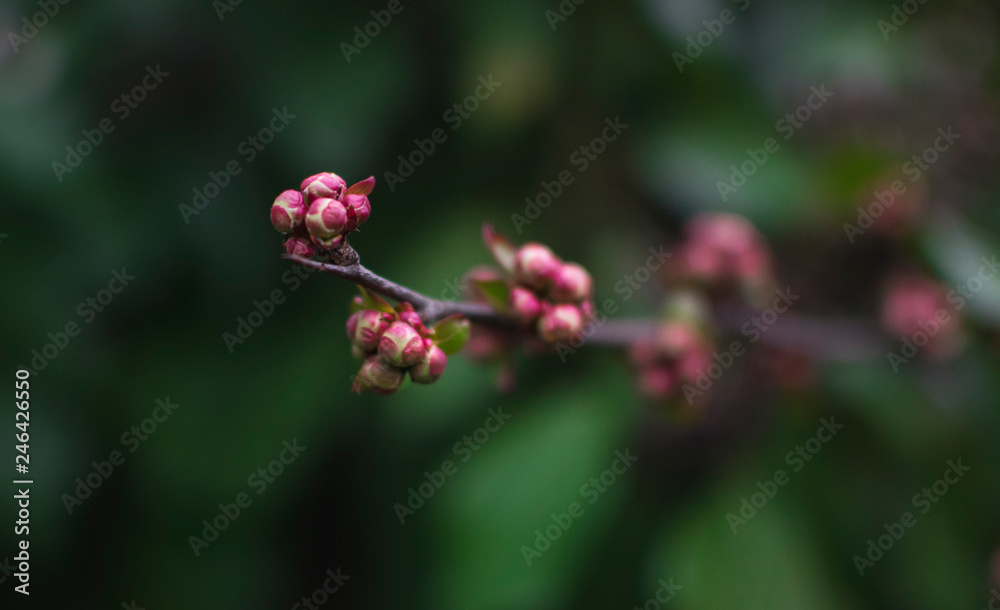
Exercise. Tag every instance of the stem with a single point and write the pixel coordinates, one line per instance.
(816, 338)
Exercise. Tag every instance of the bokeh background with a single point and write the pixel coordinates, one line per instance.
(162, 336)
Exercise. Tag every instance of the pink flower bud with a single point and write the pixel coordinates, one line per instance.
(524, 304)
(571, 284)
(352, 324)
(431, 367)
(369, 328)
(299, 246)
(324, 185)
(560, 323)
(358, 210)
(327, 243)
(407, 315)
(326, 218)
(401, 345)
(288, 211)
(378, 376)
(486, 343)
(535, 265)
(658, 382)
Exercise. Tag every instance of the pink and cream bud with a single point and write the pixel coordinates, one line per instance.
(288, 211)
(535, 265)
(369, 327)
(524, 304)
(560, 323)
(324, 185)
(299, 246)
(327, 218)
(378, 376)
(359, 208)
(401, 345)
(571, 284)
(431, 367)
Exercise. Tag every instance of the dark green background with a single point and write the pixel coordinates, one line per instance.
(333, 507)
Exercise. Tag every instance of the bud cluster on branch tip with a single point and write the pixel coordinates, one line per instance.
(922, 313)
(321, 213)
(677, 353)
(724, 249)
(542, 291)
(392, 344)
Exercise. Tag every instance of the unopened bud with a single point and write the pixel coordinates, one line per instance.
(378, 376)
(327, 243)
(571, 284)
(370, 327)
(657, 382)
(326, 218)
(535, 265)
(358, 210)
(431, 367)
(299, 246)
(560, 323)
(401, 345)
(324, 185)
(409, 316)
(288, 211)
(524, 304)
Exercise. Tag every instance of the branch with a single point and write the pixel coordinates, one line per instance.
(816, 338)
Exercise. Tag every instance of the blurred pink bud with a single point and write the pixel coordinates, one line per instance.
(324, 185)
(357, 353)
(486, 343)
(401, 345)
(409, 316)
(560, 323)
(524, 304)
(288, 211)
(692, 363)
(643, 353)
(352, 324)
(378, 376)
(431, 367)
(369, 328)
(299, 246)
(358, 210)
(535, 265)
(571, 284)
(676, 338)
(327, 218)
(658, 382)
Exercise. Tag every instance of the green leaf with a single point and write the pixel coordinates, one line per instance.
(373, 301)
(500, 247)
(495, 292)
(451, 333)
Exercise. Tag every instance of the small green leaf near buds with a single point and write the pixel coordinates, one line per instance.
(451, 334)
(378, 376)
(535, 265)
(496, 293)
(327, 218)
(431, 367)
(288, 211)
(369, 328)
(323, 185)
(298, 246)
(374, 301)
(560, 323)
(365, 187)
(571, 284)
(401, 345)
(524, 304)
(500, 247)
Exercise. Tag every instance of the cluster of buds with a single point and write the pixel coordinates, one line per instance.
(319, 215)
(677, 353)
(393, 342)
(542, 291)
(918, 310)
(725, 249)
